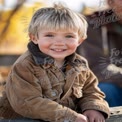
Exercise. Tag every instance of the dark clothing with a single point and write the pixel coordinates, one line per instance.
(103, 47)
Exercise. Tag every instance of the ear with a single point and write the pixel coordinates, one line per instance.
(80, 41)
(33, 38)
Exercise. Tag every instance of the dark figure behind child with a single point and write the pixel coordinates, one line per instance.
(103, 49)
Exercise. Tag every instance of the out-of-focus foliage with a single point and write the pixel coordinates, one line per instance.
(14, 29)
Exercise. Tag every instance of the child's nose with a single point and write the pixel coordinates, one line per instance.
(59, 41)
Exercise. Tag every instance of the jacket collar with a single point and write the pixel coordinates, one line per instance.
(43, 59)
(39, 57)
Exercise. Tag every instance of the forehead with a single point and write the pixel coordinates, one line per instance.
(58, 31)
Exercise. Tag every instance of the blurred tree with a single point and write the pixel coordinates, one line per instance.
(14, 25)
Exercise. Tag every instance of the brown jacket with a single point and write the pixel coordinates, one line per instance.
(37, 89)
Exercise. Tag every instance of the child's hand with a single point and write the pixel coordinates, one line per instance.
(81, 118)
(94, 116)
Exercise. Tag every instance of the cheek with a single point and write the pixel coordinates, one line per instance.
(73, 46)
(43, 44)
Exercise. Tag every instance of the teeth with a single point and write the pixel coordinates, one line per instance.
(58, 50)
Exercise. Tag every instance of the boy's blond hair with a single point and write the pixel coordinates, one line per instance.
(58, 18)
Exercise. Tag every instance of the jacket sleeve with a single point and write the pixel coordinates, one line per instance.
(93, 97)
(25, 96)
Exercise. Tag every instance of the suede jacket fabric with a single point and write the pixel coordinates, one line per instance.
(37, 89)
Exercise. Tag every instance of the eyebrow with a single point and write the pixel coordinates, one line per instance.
(53, 32)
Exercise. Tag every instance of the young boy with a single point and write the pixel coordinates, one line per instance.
(50, 81)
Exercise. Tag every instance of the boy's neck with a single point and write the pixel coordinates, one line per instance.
(59, 63)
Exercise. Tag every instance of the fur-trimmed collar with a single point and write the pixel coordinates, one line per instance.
(43, 59)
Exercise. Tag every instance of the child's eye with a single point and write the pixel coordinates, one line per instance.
(69, 36)
(49, 35)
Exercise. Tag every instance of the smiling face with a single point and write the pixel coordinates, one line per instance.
(57, 44)
(57, 31)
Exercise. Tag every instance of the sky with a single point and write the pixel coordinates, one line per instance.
(73, 4)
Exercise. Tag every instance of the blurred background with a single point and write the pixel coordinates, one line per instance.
(14, 19)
